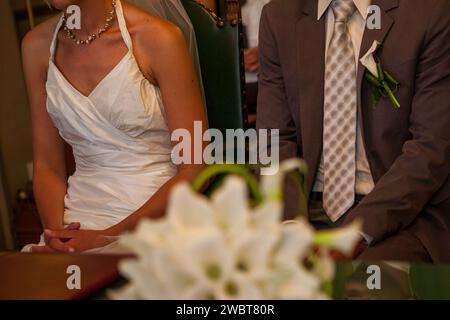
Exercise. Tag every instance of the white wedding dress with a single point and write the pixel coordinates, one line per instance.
(120, 140)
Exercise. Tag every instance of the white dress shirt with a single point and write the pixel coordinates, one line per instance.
(251, 15)
(356, 25)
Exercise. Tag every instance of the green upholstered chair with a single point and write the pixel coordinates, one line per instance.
(219, 43)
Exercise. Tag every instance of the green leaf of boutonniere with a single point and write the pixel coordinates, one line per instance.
(384, 84)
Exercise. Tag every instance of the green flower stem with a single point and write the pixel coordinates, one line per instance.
(390, 78)
(391, 96)
(380, 72)
(393, 84)
(374, 81)
(240, 170)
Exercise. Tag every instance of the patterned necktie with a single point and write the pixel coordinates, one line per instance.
(340, 109)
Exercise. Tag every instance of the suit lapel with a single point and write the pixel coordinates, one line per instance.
(310, 70)
(369, 37)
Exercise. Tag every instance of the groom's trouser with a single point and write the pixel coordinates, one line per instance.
(403, 246)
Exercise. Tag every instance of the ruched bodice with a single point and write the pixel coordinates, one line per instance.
(119, 136)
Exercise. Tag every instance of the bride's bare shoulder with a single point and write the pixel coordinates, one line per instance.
(38, 40)
(149, 30)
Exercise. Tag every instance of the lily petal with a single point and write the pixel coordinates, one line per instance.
(230, 206)
(143, 279)
(154, 232)
(205, 255)
(368, 61)
(300, 285)
(267, 215)
(342, 239)
(186, 209)
(253, 251)
(239, 287)
(296, 239)
(272, 185)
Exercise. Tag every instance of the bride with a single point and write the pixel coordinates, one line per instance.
(114, 90)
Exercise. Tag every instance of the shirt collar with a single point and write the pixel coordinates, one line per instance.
(361, 5)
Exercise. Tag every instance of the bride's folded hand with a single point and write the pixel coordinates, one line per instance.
(53, 245)
(80, 240)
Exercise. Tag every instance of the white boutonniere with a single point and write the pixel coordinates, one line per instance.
(384, 83)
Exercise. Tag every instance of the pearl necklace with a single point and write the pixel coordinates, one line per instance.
(96, 35)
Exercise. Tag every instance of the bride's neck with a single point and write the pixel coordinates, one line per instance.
(93, 14)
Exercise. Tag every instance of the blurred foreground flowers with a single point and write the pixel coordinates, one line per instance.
(224, 248)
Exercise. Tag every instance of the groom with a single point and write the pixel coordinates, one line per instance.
(386, 166)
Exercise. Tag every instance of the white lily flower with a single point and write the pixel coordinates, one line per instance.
(149, 234)
(239, 287)
(272, 185)
(342, 239)
(205, 256)
(143, 280)
(296, 239)
(300, 285)
(135, 245)
(199, 291)
(170, 271)
(368, 61)
(267, 215)
(230, 206)
(153, 232)
(252, 252)
(187, 209)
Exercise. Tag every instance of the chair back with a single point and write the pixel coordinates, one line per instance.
(219, 43)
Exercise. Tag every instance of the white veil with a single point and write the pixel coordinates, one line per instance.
(173, 11)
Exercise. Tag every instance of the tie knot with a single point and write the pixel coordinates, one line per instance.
(343, 9)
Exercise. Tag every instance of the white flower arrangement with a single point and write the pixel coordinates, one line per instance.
(222, 248)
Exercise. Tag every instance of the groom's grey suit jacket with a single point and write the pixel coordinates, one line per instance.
(408, 148)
